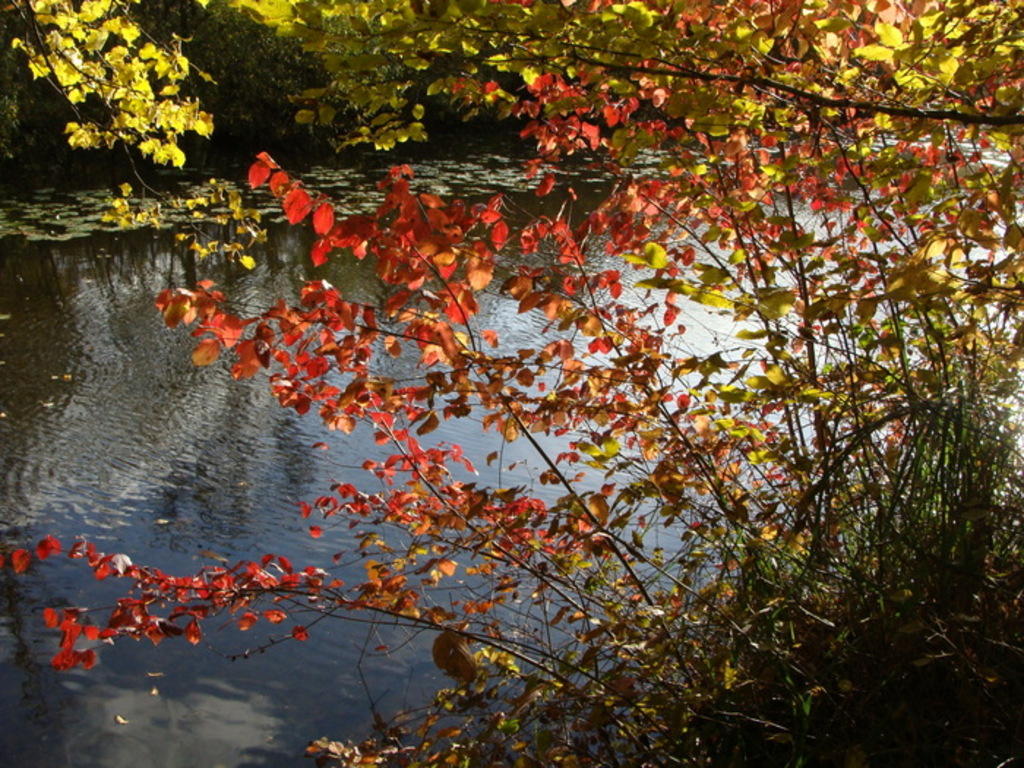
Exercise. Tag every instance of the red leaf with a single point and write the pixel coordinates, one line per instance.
(193, 633)
(299, 633)
(499, 234)
(323, 218)
(297, 205)
(546, 185)
(64, 660)
(274, 615)
(280, 183)
(431, 201)
(259, 172)
(316, 531)
(206, 352)
(267, 160)
(50, 617)
(248, 619)
(46, 547)
(20, 559)
(318, 253)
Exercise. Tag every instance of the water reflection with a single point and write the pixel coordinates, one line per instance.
(109, 432)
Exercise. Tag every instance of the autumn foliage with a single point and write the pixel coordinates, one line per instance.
(800, 543)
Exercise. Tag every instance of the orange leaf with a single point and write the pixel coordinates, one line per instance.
(479, 273)
(598, 506)
(444, 258)
(323, 218)
(206, 352)
(274, 616)
(248, 362)
(193, 633)
(447, 567)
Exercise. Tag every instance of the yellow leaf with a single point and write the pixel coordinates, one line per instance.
(874, 52)
(888, 35)
(776, 304)
(511, 430)
(655, 256)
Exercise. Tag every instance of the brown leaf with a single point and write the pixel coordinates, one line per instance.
(452, 656)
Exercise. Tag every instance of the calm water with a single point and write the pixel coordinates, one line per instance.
(108, 432)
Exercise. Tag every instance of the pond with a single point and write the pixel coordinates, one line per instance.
(107, 431)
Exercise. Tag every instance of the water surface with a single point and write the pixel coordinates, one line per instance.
(107, 431)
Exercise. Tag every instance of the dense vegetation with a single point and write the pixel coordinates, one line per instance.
(250, 95)
(803, 546)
